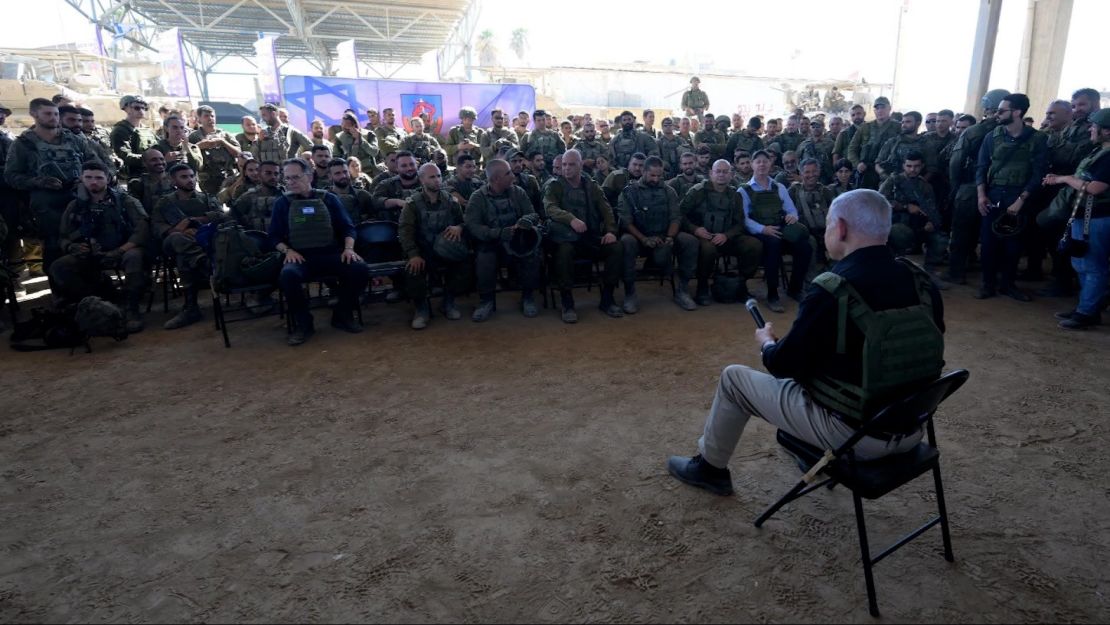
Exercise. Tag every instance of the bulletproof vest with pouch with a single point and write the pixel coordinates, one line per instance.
(812, 207)
(590, 150)
(623, 146)
(902, 347)
(434, 218)
(310, 222)
(174, 209)
(670, 150)
(579, 203)
(273, 145)
(504, 213)
(650, 208)
(1011, 161)
(154, 188)
(545, 142)
(58, 160)
(108, 224)
(970, 142)
(421, 147)
(716, 212)
(766, 206)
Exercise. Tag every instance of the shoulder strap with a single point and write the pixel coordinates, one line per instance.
(922, 281)
(849, 304)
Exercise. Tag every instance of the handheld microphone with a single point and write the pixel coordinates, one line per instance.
(754, 310)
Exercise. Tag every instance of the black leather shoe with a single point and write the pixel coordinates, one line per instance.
(697, 472)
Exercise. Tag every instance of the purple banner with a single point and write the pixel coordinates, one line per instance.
(269, 81)
(174, 78)
(325, 98)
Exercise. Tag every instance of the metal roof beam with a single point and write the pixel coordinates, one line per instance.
(301, 31)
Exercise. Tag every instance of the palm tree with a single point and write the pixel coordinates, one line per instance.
(487, 49)
(519, 43)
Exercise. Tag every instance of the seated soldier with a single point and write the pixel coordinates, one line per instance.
(582, 225)
(687, 177)
(102, 229)
(524, 178)
(314, 231)
(790, 173)
(742, 165)
(321, 160)
(714, 213)
(465, 181)
(359, 203)
(616, 181)
(175, 221)
(235, 187)
(390, 194)
(153, 183)
(914, 212)
(491, 221)
(812, 199)
(770, 216)
(651, 219)
(431, 234)
(254, 208)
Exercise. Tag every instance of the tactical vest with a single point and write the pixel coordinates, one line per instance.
(901, 347)
(590, 150)
(154, 189)
(623, 146)
(670, 150)
(969, 143)
(465, 188)
(682, 186)
(716, 212)
(504, 213)
(109, 229)
(697, 99)
(57, 160)
(421, 147)
(766, 207)
(310, 222)
(812, 208)
(217, 161)
(579, 203)
(273, 144)
(260, 209)
(348, 199)
(650, 208)
(877, 135)
(1011, 161)
(174, 210)
(433, 219)
(789, 141)
(546, 142)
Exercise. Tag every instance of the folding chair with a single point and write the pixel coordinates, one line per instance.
(219, 312)
(874, 479)
(377, 243)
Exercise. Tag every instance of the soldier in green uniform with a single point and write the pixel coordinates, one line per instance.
(688, 175)
(747, 139)
(915, 219)
(651, 221)
(465, 137)
(102, 228)
(525, 180)
(694, 100)
(218, 149)
(1011, 166)
(812, 199)
(941, 139)
(789, 173)
(791, 138)
(868, 141)
(712, 138)
(72, 119)
(464, 181)
(45, 162)
(845, 136)
(320, 159)
(819, 147)
(1050, 224)
(893, 153)
(153, 183)
(621, 178)
(492, 218)
(358, 203)
(590, 147)
(961, 171)
(249, 138)
(671, 148)
(356, 142)
(539, 168)
(547, 142)
(175, 221)
(391, 194)
(582, 225)
(1084, 102)
(176, 147)
(421, 144)
(487, 142)
(389, 135)
(843, 172)
(254, 209)
(742, 168)
(629, 141)
(713, 214)
(130, 138)
(431, 233)
(278, 141)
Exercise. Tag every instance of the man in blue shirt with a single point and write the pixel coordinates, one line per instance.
(1012, 162)
(771, 217)
(312, 228)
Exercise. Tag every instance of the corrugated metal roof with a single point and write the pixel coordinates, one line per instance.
(383, 31)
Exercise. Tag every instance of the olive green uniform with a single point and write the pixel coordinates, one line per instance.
(254, 209)
(843, 140)
(907, 230)
(531, 186)
(488, 141)
(682, 185)
(248, 145)
(421, 222)
(219, 163)
(822, 150)
(695, 100)
(456, 135)
(129, 143)
(365, 149)
(465, 188)
(148, 188)
(392, 188)
(192, 262)
(813, 211)
(590, 150)
(654, 212)
(563, 204)
(964, 231)
(866, 145)
(422, 146)
(713, 138)
(190, 155)
(614, 183)
(489, 220)
(719, 212)
(389, 139)
(788, 141)
(624, 144)
(671, 150)
(745, 140)
(894, 151)
(548, 142)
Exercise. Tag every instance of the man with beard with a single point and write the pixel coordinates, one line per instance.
(218, 150)
(868, 142)
(629, 141)
(488, 140)
(712, 138)
(845, 136)
(651, 219)
(590, 147)
(176, 147)
(71, 119)
(582, 225)
(464, 181)
(1043, 238)
(321, 158)
(789, 173)
(153, 183)
(742, 164)
(819, 147)
(356, 142)
(541, 139)
(277, 140)
(421, 144)
(525, 180)
(714, 214)
(359, 203)
(538, 167)
(621, 178)
(251, 135)
(687, 176)
(389, 135)
(671, 149)
(390, 171)
(914, 216)
(789, 140)
(319, 136)
(746, 139)
(390, 195)
(431, 234)
(254, 209)
(812, 199)
(130, 138)
(492, 217)
(102, 229)
(894, 151)
(836, 124)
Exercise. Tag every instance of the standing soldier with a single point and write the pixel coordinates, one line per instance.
(1084, 102)
(940, 140)
(45, 161)
(431, 234)
(254, 208)
(747, 139)
(819, 147)
(130, 138)
(488, 140)
(714, 214)
(422, 145)
(914, 216)
(961, 171)
(176, 147)
(218, 149)
(251, 135)
(630, 141)
(1011, 166)
(355, 142)
(868, 141)
(671, 149)
(492, 218)
(893, 153)
(547, 142)
(465, 138)
(845, 136)
(694, 100)
(712, 138)
(789, 140)
(651, 219)
(278, 141)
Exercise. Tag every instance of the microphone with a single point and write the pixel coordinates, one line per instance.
(754, 310)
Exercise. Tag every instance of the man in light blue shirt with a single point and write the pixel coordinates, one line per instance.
(771, 217)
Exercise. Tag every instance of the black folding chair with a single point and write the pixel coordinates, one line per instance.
(874, 479)
(219, 308)
(377, 243)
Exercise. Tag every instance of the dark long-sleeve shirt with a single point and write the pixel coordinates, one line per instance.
(340, 222)
(810, 346)
(1038, 167)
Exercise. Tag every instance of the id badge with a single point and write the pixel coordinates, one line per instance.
(308, 210)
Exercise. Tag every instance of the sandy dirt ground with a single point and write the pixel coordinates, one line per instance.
(514, 471)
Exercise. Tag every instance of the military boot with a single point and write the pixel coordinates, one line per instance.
(449, 309)
(134, 317)
(682, 296)
(702, 297)
(422, 315)
(631, 300)
(484, 310)
(189, 314)
(528, 304)
(608, 304)
(569, 314)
